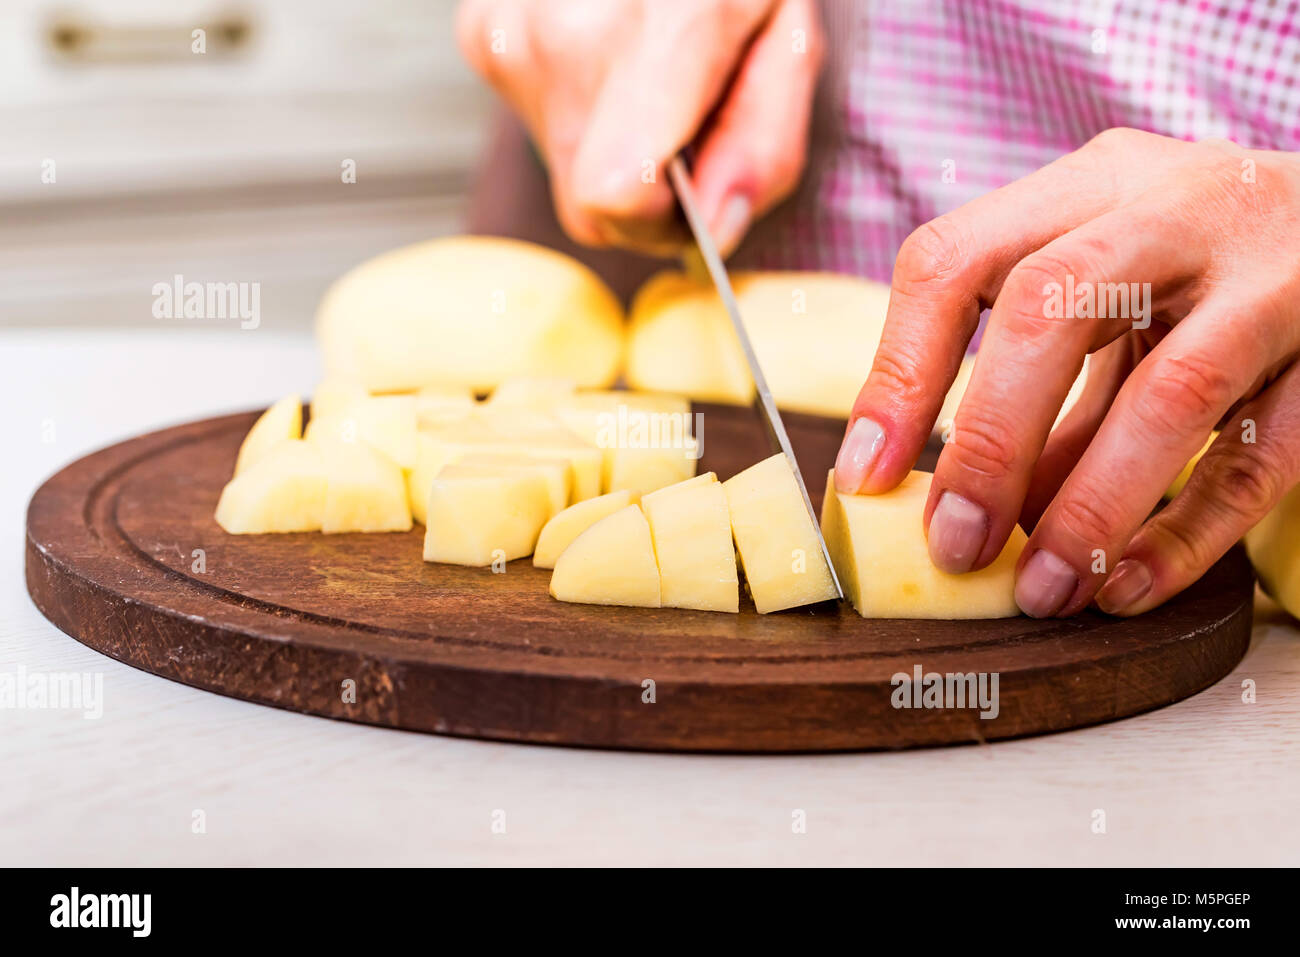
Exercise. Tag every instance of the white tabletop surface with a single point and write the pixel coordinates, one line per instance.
(1210, 780)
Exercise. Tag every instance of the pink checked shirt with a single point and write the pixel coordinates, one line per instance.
(929, 103)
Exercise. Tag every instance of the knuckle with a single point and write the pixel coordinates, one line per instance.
(1243, 483)
(1119, 139)
(984, 442)
(1079, 516)
(1182, 546)
(932, 253)
(1182, 390)
(1027, 290)
(895, 374)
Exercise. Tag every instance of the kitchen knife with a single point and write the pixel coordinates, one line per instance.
(763, 403)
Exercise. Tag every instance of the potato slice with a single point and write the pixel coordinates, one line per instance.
(477, 515)
(567, 525)
(281, 422)
(365, 490)
(691, 529)
(878, 545)
(283, 491)
(774, 533)
(611, 563)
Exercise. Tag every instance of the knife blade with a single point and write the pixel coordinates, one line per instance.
(763, 402)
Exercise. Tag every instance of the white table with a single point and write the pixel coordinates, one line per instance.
(1210, 780)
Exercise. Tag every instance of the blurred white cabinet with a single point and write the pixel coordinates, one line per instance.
(127, 156)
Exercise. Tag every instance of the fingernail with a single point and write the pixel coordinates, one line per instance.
(732, 222)
(1126, 585)
(958, 530)
(1045, 585)
(857, 455)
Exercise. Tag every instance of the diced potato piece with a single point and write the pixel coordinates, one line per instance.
(540, 393)
(479, 515)
(384, 422)
(335, 396)
(365, 490)
(280, 422)
(878, 545)
(1274, 549)
(436, 448)
(567, 525)
(554, 472)
(644, 470)
(706, 478)
(775, 536)
(437, 405)
(284, 491)
(611, 563)
(644, 437)
(471, 311)
(691, 529)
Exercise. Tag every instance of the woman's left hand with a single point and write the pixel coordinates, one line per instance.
(1190, 257)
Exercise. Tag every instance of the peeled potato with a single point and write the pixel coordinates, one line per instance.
(564, 527)
(611, 563)
(878, 545)
(437, 405)
(1274, 549)
(691, 529)
(815, 335)
(644, 437)
(472, 311)
(386, 423)
(436, 448)
(282, 421)
(478, 515)
(541, 393)
(283, 491)
(776, 538)
(365, 490)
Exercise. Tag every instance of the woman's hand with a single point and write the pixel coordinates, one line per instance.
(1212, 231)
(611, 89)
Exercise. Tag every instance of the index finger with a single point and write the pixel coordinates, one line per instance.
(946, 273)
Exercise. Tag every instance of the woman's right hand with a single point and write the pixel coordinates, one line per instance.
(612, 89)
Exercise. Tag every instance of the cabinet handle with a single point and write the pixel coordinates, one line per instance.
(76, 39)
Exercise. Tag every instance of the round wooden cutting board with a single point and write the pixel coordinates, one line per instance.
(124, 555)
